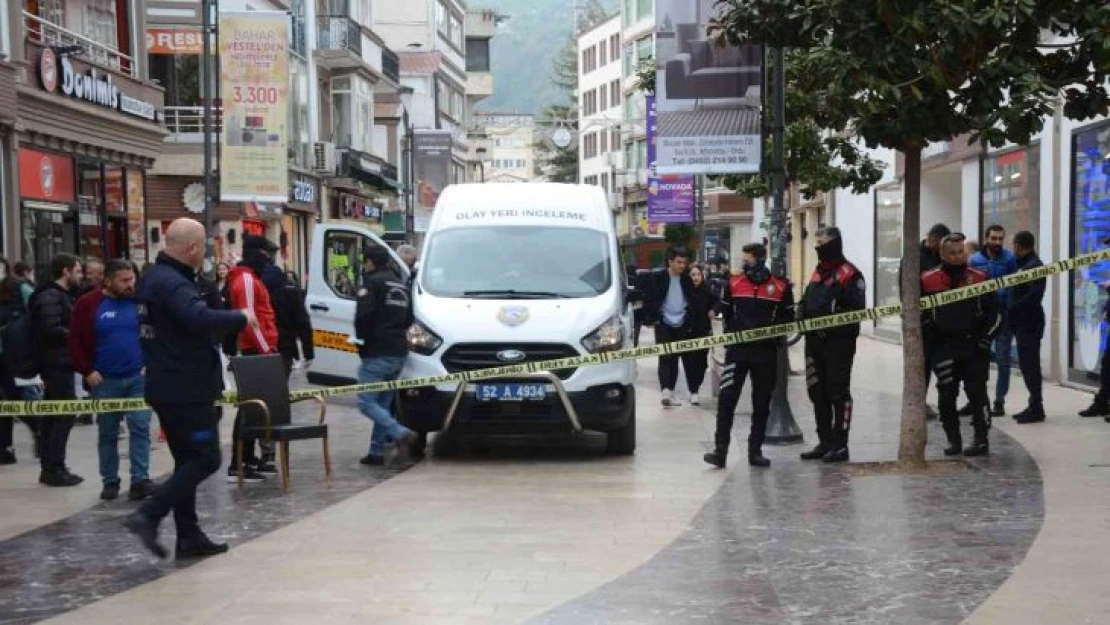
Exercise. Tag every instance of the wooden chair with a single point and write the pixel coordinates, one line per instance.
(266, 410)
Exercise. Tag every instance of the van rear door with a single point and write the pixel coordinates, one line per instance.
(335, 276)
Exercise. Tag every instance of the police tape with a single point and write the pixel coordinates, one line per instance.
(100, 406)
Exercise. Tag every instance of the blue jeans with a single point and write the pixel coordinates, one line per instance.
(376, 406)
(138, 430)
(1003, 351)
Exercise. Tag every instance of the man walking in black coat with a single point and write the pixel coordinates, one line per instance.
(184, 380)
(51, 307)
(1026, 315)
(666, 301)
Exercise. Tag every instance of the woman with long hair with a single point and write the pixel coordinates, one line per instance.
(700, 306)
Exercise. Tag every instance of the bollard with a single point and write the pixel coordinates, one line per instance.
(781, 427)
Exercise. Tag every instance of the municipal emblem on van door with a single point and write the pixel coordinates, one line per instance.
(512, 316)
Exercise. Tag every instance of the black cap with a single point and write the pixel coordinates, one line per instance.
(253, 242)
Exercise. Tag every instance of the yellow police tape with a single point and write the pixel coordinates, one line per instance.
(99, 406)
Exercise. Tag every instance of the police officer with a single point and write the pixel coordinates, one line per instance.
(963, 332)
(836, 286)
(753, 299)
(1026, 315)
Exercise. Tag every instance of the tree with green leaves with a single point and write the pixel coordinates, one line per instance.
(555, 163)
(903, 73)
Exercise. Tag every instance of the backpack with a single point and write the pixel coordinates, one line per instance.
(19, 348)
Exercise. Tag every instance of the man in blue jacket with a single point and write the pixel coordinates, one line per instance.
(184, 379)
(996, 262)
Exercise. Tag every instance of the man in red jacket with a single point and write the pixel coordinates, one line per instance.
(247, 291)
(105, 349)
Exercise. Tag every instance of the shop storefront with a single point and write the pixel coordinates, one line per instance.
(364, 190)
(296, 224)
(1011, 191)
(888, 256)
(1090, 223)
(87, 139)
(173, 197)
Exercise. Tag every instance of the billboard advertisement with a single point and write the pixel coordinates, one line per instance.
(671, 198)
(254, 83)
(432, 166)
(708, 97)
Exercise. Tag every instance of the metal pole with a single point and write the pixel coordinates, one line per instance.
(410, 176)
(701, 218)
(781, 427)
(207, 30)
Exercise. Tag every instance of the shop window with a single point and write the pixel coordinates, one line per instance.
(299, 144)
(343, 261)
(888, 252)
(1011, 194)
(1090, 209)
(102, 23)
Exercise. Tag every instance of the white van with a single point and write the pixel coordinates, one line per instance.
(510, 273)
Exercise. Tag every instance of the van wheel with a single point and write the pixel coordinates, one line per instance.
(622, 441)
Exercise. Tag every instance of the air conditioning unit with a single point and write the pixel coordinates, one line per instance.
(324, 157)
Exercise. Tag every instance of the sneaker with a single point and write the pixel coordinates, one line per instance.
(1030, 415)
(999, 409)
(1096, 409)
(110, 491)
(250, 475)
(669, 399)
(199, 547)
(372, 460)
(837, 455)
(694, 400)
(266, 468)
(7, 456)
(141, 490)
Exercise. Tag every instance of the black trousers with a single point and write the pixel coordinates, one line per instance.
(265, 451)
(1104, 378)
(194, 440)
(963, 366)
(829, 380)
(740, 363)
(58, 383)
(668, 365)
(1029, 337)
(12, 393)
(695, 364)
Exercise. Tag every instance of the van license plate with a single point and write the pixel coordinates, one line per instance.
(510, 392)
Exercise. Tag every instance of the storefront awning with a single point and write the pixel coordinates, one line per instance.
(370, 170)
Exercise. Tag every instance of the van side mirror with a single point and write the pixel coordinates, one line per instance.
(632, 294)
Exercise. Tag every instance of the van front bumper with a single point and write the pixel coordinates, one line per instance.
(602, 408)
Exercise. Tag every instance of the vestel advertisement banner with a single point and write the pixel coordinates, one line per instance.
(432, 158)
(708, 97)
(254, 83)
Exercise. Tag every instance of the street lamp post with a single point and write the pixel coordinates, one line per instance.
(409, 159)
(209, 29)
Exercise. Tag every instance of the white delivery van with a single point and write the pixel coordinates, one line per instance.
(509, 274)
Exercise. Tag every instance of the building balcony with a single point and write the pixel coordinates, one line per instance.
(50, 35)
(186, 123)
(479, 85)
(338, 42)
(391, 65)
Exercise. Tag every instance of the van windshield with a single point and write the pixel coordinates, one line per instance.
(517, 262)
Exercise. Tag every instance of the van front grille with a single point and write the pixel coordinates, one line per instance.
(475, 356)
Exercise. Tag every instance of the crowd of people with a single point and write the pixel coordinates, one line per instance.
(961, 340)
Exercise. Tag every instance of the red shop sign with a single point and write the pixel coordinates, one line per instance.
(47, 177)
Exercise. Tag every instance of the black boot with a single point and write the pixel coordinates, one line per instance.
(1098, 408)
(717, 457)
(816, 453)
(1032, 414)
(199, 546)
(999, 409)
(955, 440)
(981, 445)
(756, 459)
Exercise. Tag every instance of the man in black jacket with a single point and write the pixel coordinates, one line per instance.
(382, 319)
(666, 296)
(184, 379)
(753, 299)
(291, 317)
(1026, 316)
(50, 307)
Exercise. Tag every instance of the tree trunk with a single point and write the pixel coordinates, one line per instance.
(911, 448)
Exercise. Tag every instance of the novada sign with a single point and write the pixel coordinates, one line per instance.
(92, 86)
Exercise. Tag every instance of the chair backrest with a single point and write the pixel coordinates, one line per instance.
(263, 377)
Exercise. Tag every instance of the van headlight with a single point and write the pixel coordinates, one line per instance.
(609, 337)
(422, 340)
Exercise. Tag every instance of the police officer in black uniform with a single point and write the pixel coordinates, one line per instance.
(753, 299)
(836, 286)
(962, 332)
